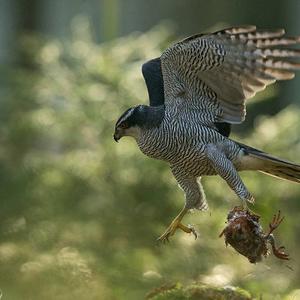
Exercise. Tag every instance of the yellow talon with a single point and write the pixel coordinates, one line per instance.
(176, 223)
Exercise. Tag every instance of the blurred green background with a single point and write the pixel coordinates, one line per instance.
(80, 214)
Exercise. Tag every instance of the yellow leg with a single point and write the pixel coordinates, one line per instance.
(246, 207)
(176, 223)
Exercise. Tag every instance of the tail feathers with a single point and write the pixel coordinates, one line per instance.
(271, 165)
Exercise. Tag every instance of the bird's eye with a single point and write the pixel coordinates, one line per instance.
(124, 125)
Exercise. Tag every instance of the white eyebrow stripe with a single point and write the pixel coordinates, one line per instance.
(129, 113)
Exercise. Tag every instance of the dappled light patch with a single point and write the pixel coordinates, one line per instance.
(221, 275)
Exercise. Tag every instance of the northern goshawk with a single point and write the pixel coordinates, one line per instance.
(197, 88)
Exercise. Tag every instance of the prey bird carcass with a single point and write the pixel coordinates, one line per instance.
(244, 233)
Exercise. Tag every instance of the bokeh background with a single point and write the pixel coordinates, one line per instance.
(80, 214)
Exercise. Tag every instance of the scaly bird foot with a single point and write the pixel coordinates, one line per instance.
(246, 208)
(173, 227)
(176, 223)
(169, 232)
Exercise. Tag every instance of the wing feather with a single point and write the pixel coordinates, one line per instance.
(226, 68)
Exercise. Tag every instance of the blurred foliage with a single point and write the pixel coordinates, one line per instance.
(80, 214)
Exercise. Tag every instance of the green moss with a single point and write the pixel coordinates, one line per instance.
(197, 292)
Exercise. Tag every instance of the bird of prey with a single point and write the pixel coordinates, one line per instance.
(197, 88)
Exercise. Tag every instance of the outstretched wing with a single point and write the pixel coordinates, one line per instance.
(214, 74)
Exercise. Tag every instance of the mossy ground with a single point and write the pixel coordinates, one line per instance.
(197, 292)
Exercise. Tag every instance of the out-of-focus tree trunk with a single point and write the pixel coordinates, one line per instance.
(7, 30)
(27, 14)
(110, 19)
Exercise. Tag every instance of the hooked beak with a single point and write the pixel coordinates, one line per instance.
(116, 137)
(117, 134)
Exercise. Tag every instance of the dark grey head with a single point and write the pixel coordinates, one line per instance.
(136, 118)
(129, 122)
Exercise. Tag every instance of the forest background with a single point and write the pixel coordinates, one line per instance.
(79, 213)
